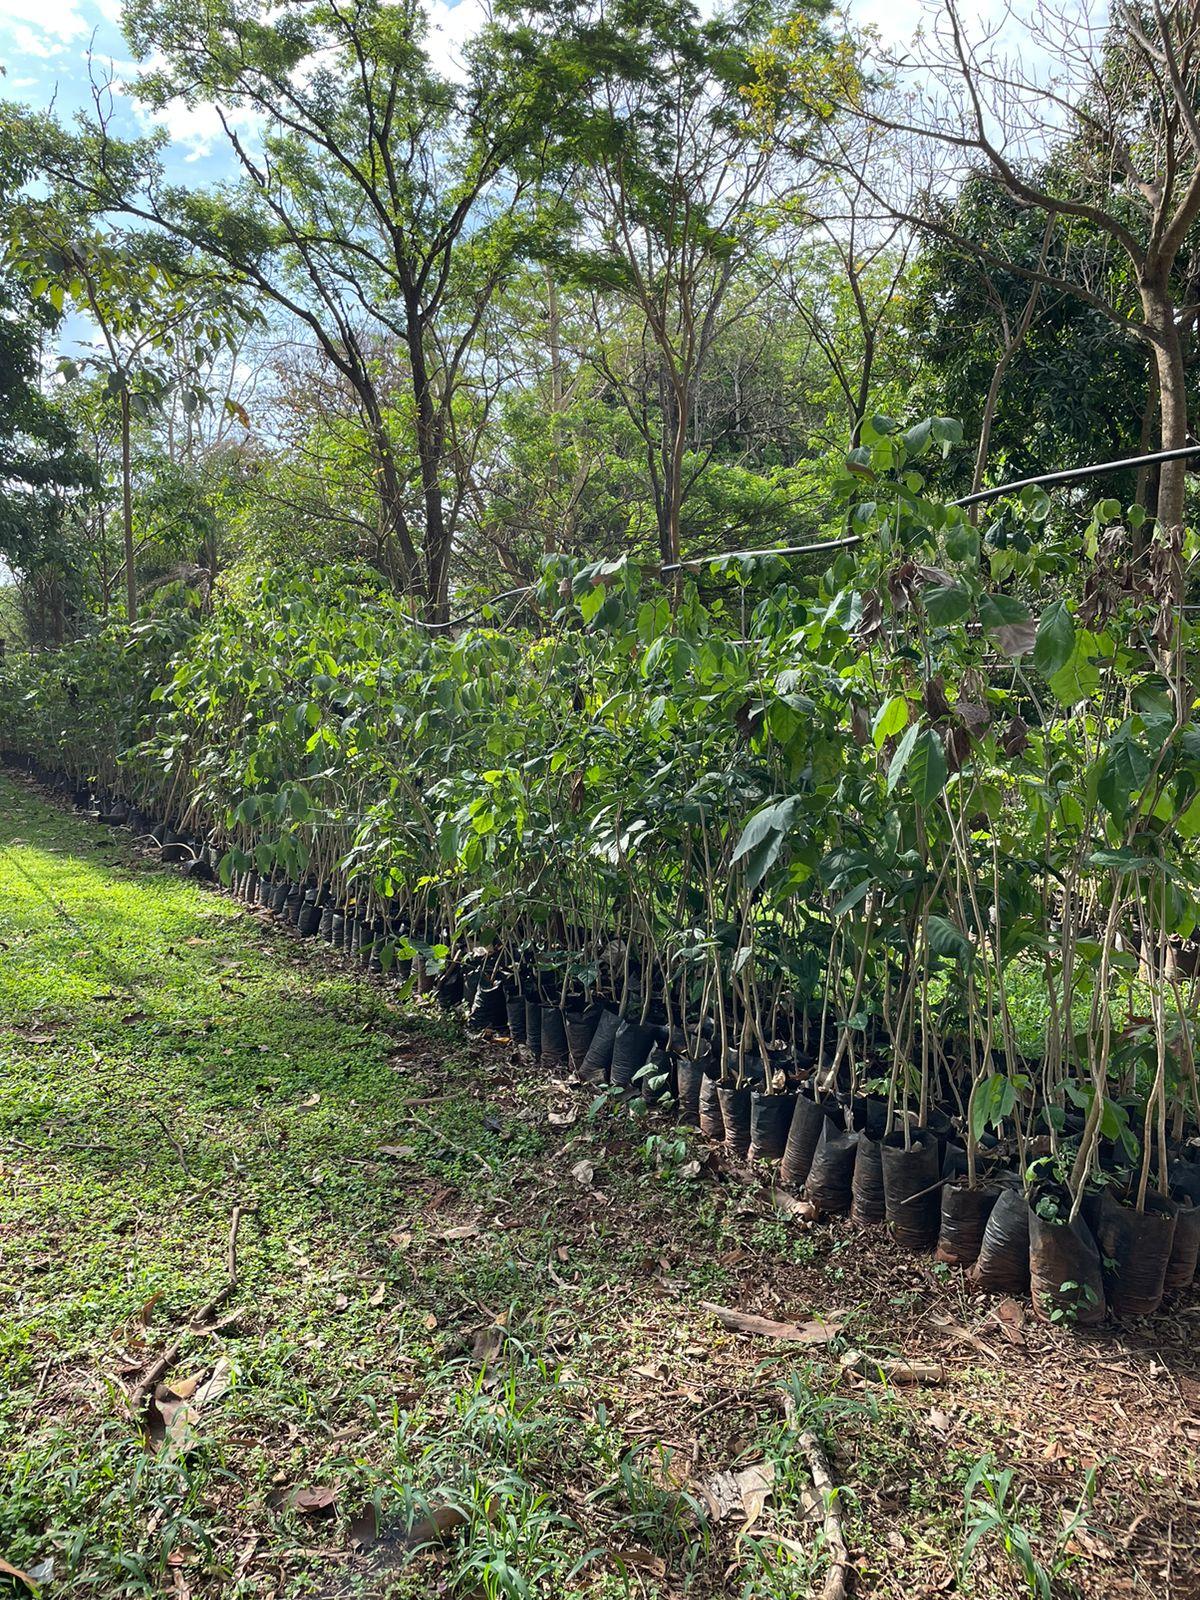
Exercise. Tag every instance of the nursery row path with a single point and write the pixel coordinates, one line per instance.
(285, 1265)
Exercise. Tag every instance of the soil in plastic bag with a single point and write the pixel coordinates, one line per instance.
(690, 1073)
(1002, 1266)
(1064, 1271)
(488, 1009)
(597, 1060)
(712, 1122)
(1139, 1244)
(554, 1038)
(514, 1011)
(965, 1214)
(770, 1119)
(808, 1119)
(830, 1181)
(580, 1023)
(533, 1027)
(868, 1206)
(630, 1052)
(1185, 1246)
(910, 1186)
(735, 1114)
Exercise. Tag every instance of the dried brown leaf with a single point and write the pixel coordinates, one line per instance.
(314, 1502)
(817, 1331)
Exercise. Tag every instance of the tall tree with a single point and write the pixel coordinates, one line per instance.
(42, 469)
(156, 324)
(379, 201)
(1113, 97)
(675, 136)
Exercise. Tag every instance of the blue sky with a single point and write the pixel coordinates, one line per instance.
(44, 47)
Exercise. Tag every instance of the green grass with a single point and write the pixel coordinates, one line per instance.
(164, 1059)
(457, 1324)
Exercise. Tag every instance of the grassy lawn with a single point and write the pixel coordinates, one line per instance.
(466, 1351)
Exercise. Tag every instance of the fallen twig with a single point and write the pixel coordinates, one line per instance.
(173, 1142)
(817, 1331)
(441, 1135)
(839, 1580)
(840, 1577)
(208, 1312)
(147, 1383)
(893, 1369)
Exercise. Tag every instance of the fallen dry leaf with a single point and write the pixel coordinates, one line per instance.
(314, 1502)
(756, 1484)
(183, 1431)
(583, 1172)
(814, 1332)
(143, 1315)
(743, 1493)
(488, 1344)
(640, 1559)
(468, 1230)
(437, 1524)
(1010, 1314)
(363, 1530)
(216, 1385)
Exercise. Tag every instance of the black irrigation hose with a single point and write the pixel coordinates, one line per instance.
(1064, 475)
(1070, 474)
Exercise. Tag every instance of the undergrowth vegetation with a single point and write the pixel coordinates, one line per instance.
(927, 833)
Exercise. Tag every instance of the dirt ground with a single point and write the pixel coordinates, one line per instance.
(473, 1311)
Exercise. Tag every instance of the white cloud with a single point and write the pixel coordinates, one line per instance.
(41, 29)
(449, 28)
(197, 129)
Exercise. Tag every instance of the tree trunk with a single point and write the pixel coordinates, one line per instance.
(675, 426)
(127, 511)
(987, 422)
(550, 543)
(436, 551)
(864, 388)
(1145, 492)
(1172, 483)
(1172, 392)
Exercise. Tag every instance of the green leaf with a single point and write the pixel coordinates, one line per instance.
(591, 601)
(850, 899)
(900, 759)
(997, 609)
(762, 838)
(891, 719)
(962, 542)
(1055, 643)
(916, 440)
(947, 940)
(946, 604)
(1126, 768)
(927, 770)
(992, 1101)
(1079, 679)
